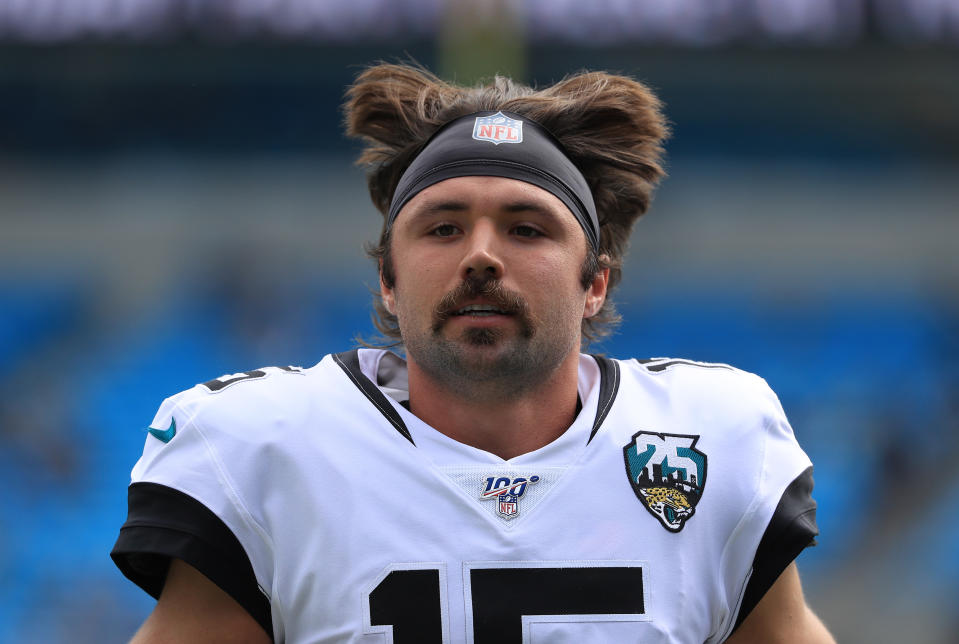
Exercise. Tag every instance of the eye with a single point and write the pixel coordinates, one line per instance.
(444, 230)
(526, 231)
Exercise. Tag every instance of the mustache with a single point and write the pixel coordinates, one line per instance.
(490, 288)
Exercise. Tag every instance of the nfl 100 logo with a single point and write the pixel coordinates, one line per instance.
(507, 493)
(498, 128)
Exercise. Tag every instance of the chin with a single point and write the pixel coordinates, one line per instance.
(480, 337)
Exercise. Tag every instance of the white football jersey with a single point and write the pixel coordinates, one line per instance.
(332, 514)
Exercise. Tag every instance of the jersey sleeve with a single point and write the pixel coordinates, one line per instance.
(781, 520)
(182, 503)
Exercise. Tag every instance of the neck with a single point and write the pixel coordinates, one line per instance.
(507, 426)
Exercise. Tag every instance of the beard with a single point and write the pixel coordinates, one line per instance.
(486, 364)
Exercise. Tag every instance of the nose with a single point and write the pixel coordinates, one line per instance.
(482, 258)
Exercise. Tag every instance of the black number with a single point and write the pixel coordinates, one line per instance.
(501, 596)
(410, 601)
(221, 383)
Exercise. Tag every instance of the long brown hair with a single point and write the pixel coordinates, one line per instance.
(611, 126)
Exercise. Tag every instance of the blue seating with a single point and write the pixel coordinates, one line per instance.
(36, 311)
(834, 363)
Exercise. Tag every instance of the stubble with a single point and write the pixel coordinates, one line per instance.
(486, 364)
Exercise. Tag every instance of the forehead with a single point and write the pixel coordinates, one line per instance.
(486, 194)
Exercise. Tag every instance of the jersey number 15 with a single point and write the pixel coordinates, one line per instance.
(503, 599)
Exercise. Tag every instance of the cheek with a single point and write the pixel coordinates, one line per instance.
(557, 285)
(418, 280)
(418, 285)
(415, 267)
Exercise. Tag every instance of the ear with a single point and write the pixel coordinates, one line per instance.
(387, 294)
(596, 294)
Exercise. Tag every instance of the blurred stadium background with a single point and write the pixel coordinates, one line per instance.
(177, 202)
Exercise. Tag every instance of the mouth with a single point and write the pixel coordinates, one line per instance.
(481, 304)
(479, 310)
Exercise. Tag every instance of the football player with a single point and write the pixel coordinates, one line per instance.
(494, 484)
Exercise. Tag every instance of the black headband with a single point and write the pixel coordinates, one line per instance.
(500, 144)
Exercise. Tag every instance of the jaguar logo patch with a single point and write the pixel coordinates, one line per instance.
(668, 474)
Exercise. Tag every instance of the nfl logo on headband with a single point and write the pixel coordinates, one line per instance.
(498, 128)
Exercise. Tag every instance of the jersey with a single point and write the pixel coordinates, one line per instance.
(333, 514)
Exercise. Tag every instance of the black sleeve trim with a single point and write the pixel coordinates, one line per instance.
(792, 529)
(163, 523)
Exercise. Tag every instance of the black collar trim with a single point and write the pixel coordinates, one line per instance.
(608, 388)
(349, 361)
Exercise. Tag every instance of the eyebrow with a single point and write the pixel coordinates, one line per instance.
(527, 206)
(434, 207)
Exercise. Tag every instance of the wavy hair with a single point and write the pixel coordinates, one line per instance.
(611, 126)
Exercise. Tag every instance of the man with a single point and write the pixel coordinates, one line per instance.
(497, 485)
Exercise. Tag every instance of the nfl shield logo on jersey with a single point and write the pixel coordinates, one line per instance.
(507, 491)
(667, 474)
(497, 129)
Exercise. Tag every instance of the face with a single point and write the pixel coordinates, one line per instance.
(488, 289)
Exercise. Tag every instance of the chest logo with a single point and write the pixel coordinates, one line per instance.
(668, 474)
(507, 492)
